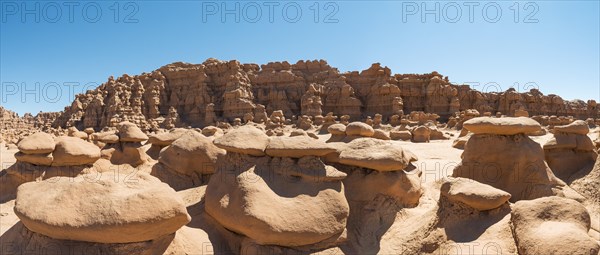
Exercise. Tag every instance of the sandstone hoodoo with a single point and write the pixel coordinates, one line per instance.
(570, 149)
(291, 200)
(500, 154)
(38, 143)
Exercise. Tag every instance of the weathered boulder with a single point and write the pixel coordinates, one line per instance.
(474, 194)
(106, 208)
(129, 132)
(106, 137)
(337, 129)
(552, 225)
(502, 126)
(72, 151)
(578, 127)
(166, 138)
(421, 134)
(359, 129)
(257, 198)
(376, 154)
(36, 159)
(513, 163)
(380, 134)
(297, 147)
(363, 185)
(404, 135)
(570, 149)
(38, 143)
(245, 139)
(191, 154)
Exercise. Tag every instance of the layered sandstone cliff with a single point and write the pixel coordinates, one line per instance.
(182, 94)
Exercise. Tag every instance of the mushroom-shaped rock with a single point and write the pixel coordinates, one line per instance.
(403, 135)
(513, 163)
(502, 126)
(106, 208)
(337, 129)
(297, 147)
(552, 225)
(460, 142)
(579, 127)
(421, 134)
(257, 198)
(569, 152)
(359, 129)
(376, 154)
(72, 151)
(106, 137)
(129, 132)
(245, 140)
(166, 138)
(380, 134)
(473, 193)
(212, 131)
(36, 159)
(191, 154)
(38, 143)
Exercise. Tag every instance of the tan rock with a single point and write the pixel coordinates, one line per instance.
(474, 194)
(460, 142)
(337, 129)
(212, 131)
(568, 153)
(167, 138)
(421, 134)
(72, 151)
(513, 163)
(502, 126)
(376, 154)
(297, 147)
(258, 199)
(359, 129)
(380, 134)
(404, 135)
(36, 159)
(106, 137)
(130, 132)
(107, 208)
(245, 139)
(576, 127)
(552, 225)
(364, 185)
(191, 154)
(38, 143)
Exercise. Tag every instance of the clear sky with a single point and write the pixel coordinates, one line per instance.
(552, 45)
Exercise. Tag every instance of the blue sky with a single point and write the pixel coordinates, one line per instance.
(552, 45)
